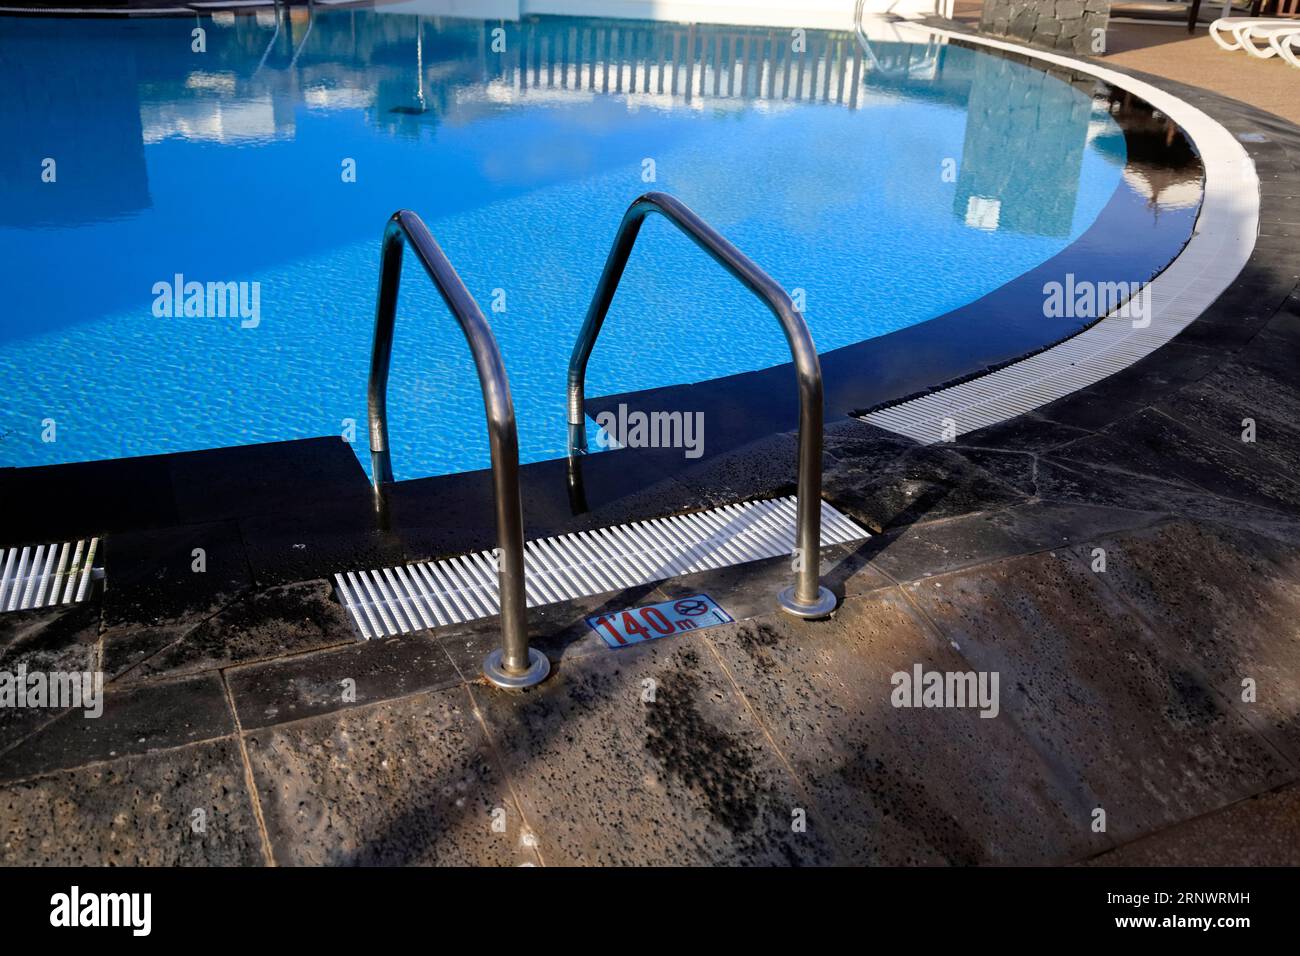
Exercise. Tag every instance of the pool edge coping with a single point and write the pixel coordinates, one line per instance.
(1228, 221)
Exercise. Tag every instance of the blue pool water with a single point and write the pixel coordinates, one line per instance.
(881, 198)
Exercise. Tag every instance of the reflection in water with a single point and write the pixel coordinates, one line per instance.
(1026, 132)
(520, 148)
(89, 106)
(1025, 135)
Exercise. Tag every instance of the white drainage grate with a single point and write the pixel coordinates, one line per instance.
(419, 596)
(46, 575)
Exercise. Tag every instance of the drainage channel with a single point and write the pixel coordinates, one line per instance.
(416, 597)
(46, 575)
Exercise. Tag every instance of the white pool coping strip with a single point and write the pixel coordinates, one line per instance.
(1221, 244)
(417, 597)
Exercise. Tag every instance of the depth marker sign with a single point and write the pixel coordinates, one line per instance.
(621, 628)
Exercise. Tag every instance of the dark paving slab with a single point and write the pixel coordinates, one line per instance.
(140, 811)
(1151, 443)
(157, 578)
(1083, 483)
(48, 630)
(894, 785)
(317, 538)
(264, 624)
(1130, 726)
(124, 649)
(410, 781)
(62, 502)
(44, 642)
(1048, 524)
(1261, 831)
(942, 546)
(889, 483)
(321, 683)
(1028, 433)
(688, 778)
(134, 720)
(1227, 600)
(1221, 404)
(224, 483)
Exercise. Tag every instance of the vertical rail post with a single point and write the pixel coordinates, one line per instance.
(514, 664)
(807, 598)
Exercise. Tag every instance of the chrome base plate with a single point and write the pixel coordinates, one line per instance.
(825, 603)
(538, 668)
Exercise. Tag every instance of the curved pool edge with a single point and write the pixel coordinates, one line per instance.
(1219, 248)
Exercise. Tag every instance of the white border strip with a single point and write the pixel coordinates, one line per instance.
(1222, 241)
(416, 597)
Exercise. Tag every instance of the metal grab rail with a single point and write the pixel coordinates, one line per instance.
(515, 664)
(807, 598)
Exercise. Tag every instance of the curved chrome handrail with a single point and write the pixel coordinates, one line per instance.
(807, 598)
(515, 664)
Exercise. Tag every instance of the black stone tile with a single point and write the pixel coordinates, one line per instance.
(258, 479)
(86, 499)
(1088, 409)
(1222, 406)
(931, 548)
(273, 622)
(923, 483)
(1150, 443)
(1029, 433)
(317, 540)
(49, 629)
(1227, 601)
(135, 720)
(413, 781)
(156, 578)
(312, 684)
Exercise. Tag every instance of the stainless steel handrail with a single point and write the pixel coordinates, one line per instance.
(515, 664)
(807, 598)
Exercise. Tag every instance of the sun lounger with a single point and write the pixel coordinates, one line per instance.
(1226, 30)
(1252, 35)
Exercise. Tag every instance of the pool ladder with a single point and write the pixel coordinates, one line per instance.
(515, 664)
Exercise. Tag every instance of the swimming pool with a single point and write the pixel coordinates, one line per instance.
(867, 192)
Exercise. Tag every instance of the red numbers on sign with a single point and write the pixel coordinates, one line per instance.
(637, 625)
(656, 619)
(613, 631)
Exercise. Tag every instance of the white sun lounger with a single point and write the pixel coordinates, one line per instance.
(1287, 46)
(1226, 31)
(1266, 32)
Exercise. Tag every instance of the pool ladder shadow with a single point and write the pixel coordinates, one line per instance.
(515, 665)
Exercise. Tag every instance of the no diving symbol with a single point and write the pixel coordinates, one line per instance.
(691, 608)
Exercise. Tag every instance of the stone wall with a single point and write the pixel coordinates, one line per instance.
(1056, 24)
